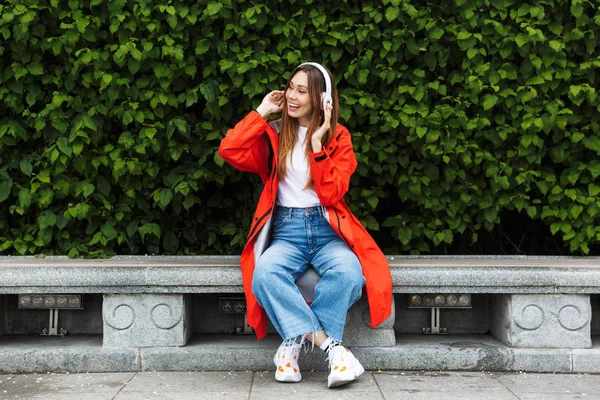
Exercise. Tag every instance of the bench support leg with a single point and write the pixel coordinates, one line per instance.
(357, 331)
(2, 311)
(542, 320)
(136, 320)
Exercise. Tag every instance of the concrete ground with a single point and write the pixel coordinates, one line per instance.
(262, 385)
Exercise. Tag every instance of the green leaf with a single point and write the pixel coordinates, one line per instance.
(448, 236)
(5, 185)
(421, 131)
(109, 231)
(35, 68)
(592, 143)
(47, 219)
(214, 8)
(576, 210)
(132, 228)
(25, 166)
(24, 198)
(436, 33)
(392, 13)
(521, 40)
(489, 101)
(165, 197)
(63, 145)
(555, 45)
(491, 215)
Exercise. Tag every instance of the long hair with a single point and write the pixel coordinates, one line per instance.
(289, 126)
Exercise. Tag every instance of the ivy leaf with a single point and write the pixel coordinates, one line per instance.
(521, 40)
(63, 145)
(213, 8)
(489, 101)
(109, 231)
(421, 131)
(35, 68)
(392, 13)
(25, 166)
(165, 197)
(132, 228)
(592, 143)
(24, 198)
(5, 185)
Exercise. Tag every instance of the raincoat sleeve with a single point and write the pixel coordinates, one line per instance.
(246, 146)
(332, 168)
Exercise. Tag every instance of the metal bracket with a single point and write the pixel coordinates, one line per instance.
(246, 329)
(435, 328)
(52, 329)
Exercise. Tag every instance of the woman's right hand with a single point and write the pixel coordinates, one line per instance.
(272, 103)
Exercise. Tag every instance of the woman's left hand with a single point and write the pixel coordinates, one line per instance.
(317, 136)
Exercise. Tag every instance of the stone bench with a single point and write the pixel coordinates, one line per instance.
(145, 299)
(534, 302)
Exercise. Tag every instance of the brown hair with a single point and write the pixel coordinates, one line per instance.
(289, 126)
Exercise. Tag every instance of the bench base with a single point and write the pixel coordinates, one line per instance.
(542, 320)
(28, 354)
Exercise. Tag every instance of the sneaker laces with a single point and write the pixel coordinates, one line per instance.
(292, 346)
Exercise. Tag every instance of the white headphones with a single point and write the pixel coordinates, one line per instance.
(326, 95)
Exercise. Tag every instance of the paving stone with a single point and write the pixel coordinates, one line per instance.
(70, 396)
(446, 382)
(340, 393)
(193, 382)
(444, 395)
(265, 383)
(552, 383)
(5, 378)
(64, 386)
(554, 396)
(182, 396)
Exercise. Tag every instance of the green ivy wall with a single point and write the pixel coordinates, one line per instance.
(475, 123)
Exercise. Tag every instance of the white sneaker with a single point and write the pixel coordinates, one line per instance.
(286, 361)
(343, 367)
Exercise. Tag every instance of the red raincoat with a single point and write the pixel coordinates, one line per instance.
(252, 146)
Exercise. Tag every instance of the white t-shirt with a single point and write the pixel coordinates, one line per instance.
(291, 192)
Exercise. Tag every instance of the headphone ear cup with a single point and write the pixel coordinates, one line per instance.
(325, 100)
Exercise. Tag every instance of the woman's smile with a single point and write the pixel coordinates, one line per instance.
(298, 99)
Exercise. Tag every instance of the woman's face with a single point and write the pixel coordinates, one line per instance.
(298, 99)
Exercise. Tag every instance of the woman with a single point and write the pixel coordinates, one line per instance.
(305, 160)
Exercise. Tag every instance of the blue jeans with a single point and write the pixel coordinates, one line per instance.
(303, 237)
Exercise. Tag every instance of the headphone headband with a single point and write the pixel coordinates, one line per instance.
(326, 95)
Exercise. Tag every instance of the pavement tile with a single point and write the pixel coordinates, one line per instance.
(448, 382)
(182, 396)
(265, 386)
(190, 382)
(331, 394)
(63, 386)
(554, 396)
(70, 396)
(442, 395)
(572, 384)
(5, 378)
